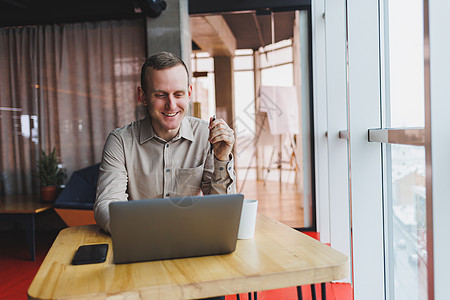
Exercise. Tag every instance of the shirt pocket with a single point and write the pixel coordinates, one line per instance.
(188, 181)
(145, 186)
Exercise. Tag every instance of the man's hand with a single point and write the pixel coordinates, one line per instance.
(221, 136)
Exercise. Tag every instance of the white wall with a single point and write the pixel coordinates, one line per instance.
(320, 120)
(330, 117)
(338, 171)
(365, 157)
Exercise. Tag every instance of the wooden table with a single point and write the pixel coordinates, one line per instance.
(23, 208)
(277, 257)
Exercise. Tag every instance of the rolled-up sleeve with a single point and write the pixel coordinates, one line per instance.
(219, 176)
(112, 180)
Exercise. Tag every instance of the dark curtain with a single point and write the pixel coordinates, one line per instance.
(65, 86)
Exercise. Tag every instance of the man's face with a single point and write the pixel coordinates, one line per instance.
(167, 99)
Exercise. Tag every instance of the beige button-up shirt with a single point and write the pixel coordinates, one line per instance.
(137, 164)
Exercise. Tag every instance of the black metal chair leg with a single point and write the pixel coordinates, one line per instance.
(323, 287)
(313, 292)
(299, 293)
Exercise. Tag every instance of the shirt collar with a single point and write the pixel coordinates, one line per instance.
(147, 133)
(186, 130)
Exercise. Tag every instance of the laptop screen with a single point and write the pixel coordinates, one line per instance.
(167, 228)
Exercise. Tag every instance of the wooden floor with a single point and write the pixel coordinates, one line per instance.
(283, 203)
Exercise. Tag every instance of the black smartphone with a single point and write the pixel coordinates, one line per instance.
(90, 254)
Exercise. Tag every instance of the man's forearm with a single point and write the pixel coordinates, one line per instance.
(222, 179)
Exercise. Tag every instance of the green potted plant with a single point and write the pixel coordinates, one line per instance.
(50, 175)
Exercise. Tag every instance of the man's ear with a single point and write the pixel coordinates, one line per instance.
(190, 92)
(141, 96)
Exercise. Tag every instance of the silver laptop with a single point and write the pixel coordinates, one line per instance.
(156, 229)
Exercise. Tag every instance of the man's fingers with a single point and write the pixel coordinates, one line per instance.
(225, 137)
(218, 131)
(220, 128)
(222, 135)
(217, 123)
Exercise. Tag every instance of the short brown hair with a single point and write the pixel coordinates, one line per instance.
(161, 61)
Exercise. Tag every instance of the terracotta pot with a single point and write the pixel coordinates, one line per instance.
(48, 193)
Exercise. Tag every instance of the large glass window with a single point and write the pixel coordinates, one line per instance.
(276, 153)
(203, 97)
(405, 72)
(406, 201)
(407, 222)
(268, 164)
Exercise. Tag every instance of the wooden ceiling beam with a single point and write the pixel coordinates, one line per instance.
(212, 34)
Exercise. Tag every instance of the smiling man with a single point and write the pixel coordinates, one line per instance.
(166, 154)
